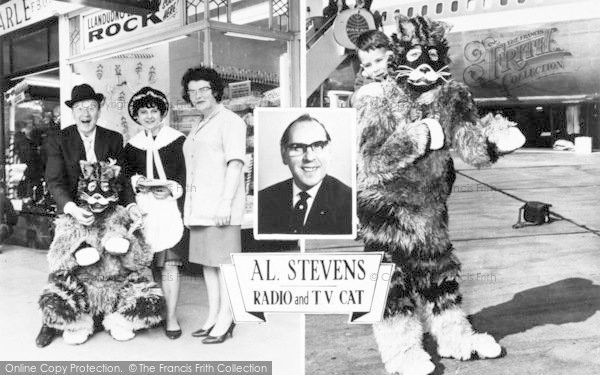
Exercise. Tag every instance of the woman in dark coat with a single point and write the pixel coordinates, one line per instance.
(153, 156)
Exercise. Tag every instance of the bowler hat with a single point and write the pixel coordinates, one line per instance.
(83, 92)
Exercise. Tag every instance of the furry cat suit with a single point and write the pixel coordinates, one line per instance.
(403, 185)
(100, 272)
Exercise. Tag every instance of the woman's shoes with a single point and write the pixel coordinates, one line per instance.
(203, 332)
(173, 335)
(219, 339)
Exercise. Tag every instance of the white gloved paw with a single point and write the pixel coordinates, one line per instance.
(87, 256)
(436, 133)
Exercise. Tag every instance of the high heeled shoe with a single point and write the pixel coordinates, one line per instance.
(173, 335)
(219, 339)
(203, 332)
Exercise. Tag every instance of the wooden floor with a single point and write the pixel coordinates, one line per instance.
(536, 289)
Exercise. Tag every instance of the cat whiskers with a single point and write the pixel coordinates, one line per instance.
(444, 73)
(402, 71)
(84, 196)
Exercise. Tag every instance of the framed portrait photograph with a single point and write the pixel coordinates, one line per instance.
(305, 173)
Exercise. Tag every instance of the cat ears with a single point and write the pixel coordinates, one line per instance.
(112, 166)
(88, 170)
(421, 30)
(106, 170)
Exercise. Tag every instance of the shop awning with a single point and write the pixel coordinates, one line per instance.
(140, 7)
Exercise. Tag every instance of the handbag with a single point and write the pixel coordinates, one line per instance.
(163, 225)
(533, 213)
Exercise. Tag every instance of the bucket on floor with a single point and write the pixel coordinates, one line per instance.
(583, 145)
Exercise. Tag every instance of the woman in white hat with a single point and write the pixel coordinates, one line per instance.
(154, 164)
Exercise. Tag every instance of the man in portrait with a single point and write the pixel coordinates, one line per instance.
(312, 201)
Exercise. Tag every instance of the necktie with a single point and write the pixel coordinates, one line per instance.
(90, 154)
(300, 212)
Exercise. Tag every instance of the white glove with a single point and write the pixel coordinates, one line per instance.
(436, 133)
(116, 245)
(508, 140)
(87, 256)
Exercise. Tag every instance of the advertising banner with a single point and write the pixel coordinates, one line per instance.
(554, 59)
(333, 283)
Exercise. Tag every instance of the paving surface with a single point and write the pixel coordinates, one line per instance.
(536, 289)
(23, 274)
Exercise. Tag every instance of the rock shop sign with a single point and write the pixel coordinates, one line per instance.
(104, 28)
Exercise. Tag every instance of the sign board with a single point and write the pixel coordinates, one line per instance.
(239, 89)
(557, 59)
(16, 14)
(100, 29)
(350, 24)
(140, 7)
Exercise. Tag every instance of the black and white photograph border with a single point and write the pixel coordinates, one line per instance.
(269, 168)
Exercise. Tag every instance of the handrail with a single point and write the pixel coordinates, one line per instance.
(313, 39)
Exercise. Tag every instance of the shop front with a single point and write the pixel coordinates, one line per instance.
(29, 77)
(253, 44)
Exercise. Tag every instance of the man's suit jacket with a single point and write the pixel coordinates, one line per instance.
(64, 153)
(330, 213)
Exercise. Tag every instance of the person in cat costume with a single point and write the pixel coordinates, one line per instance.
(100, 273)
(407, 126)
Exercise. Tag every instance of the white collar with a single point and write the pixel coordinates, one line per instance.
(89, 137)
(165, 136)
(312, 191)
(205, 119)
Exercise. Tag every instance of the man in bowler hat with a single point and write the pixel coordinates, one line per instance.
(84, 140)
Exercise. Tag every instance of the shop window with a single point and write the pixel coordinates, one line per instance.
(424, 10)
(520, 1)
(255, 13)
(503, 2)
(439, 8)
(53, 39)
(6, 56)
(29, 48)
(410, 12)
(454, 6)
(75, 35)
(24, 143)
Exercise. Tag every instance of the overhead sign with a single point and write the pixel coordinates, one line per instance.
(105, 27)
(140, 7)
(16, 14)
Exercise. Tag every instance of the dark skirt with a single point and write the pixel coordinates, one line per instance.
(177, 255)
